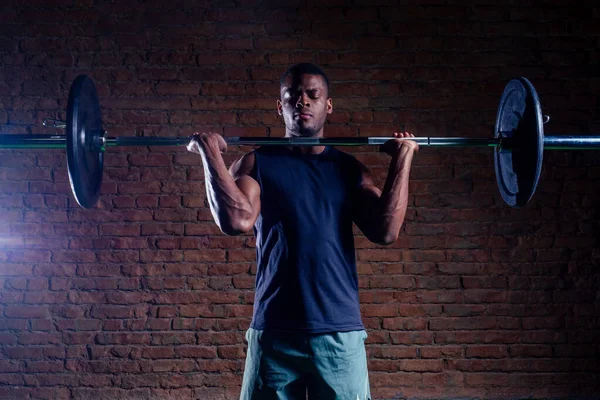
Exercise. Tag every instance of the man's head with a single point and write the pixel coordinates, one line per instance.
(304, 100)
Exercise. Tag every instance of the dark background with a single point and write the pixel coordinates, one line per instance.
(144, 298)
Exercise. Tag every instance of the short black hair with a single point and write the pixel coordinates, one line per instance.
(303, 68)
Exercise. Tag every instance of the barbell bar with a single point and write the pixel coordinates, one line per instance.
(519, 141)
(60, 142)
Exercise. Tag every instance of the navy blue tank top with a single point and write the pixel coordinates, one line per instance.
(306, 279)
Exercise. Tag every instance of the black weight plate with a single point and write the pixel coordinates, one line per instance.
(85, 159)
(520, 117)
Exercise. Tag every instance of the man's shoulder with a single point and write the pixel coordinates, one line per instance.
(243, 165)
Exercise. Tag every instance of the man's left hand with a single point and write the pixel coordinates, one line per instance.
(399, 144)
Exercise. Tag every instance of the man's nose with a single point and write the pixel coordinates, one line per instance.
(302, 101)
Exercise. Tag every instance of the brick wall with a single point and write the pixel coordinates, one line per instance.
(144, 298)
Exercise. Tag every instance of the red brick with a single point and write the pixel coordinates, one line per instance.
(405, 323)
(421, 365)
(486, 352)
(7, 338)
(517, 350)
(26, 311)
(38, 338)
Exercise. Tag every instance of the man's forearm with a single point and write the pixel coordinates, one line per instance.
(230, 208)
(394, 198)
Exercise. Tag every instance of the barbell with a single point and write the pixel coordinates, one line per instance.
(519, 141)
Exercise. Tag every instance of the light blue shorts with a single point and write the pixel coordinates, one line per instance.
(289, 366)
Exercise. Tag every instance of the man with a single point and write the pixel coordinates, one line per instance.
(306, 334)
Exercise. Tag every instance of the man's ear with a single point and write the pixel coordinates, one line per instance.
(279, 107)
(329, 106)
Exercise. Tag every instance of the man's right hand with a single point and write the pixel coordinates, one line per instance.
(211, 143)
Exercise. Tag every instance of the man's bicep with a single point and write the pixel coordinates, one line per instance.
(366, 200)
(242, 171)
(251, 190)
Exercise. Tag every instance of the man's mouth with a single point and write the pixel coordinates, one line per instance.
(303, 115)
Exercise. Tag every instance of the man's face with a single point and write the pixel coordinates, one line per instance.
(304, 105)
